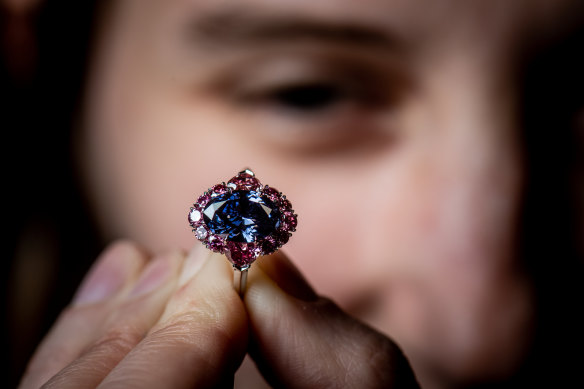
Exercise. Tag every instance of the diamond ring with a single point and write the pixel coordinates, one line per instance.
(242, 219)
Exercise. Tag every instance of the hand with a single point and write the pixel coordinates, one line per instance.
(301, 340)
(176, 322)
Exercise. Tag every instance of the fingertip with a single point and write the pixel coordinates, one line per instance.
(286, 276)
(193, 263)
(210, 287)
(82, 322)
(261, 293)
(200, 339)
(160, 270)
(119, 263)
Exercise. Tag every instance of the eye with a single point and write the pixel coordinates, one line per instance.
(324, 103)
(309, 97)
(313, 96)
(311, 86)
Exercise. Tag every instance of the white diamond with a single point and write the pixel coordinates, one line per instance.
(194, 216)
(201, 233)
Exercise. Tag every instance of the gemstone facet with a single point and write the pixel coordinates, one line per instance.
(194, 216)
(243, 254)
(218, 189)
(244, 181)
(216, 244)
(242, 216)
(201, 233)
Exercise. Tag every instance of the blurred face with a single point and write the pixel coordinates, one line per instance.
(393, 126)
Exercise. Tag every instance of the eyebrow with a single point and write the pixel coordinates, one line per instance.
(230, 28)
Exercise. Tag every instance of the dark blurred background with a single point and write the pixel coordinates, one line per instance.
(43, 59)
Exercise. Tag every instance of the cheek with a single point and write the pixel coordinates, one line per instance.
(348, 226)
(148, 161)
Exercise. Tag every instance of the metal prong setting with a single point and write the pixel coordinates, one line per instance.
(247, 171)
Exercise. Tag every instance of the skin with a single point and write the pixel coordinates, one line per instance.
(409, 187)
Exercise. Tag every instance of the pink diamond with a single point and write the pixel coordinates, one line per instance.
(285, 205)
(203, 200)
(216, 244)
(219, 189)
(245, 182)
(289, 221)
(269, 245)
(281, 237)
(242, 255)
(272, 193)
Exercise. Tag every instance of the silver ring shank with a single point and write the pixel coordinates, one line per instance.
(239, 280)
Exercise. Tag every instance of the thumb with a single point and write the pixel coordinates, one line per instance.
(301, 340)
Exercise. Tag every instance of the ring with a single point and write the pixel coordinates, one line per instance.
(242, 219)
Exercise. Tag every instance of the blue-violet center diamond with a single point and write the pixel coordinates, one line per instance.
(242, 216)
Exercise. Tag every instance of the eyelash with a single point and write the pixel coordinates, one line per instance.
(306, 97)
(313, 97)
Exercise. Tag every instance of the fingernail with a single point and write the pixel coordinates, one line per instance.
(153, 276)
(107, 276)
(193, 263)
(281, 270)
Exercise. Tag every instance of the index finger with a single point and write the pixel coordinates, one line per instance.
(199, 341)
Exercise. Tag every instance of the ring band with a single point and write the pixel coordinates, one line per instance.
(240, 280)
(242, 219)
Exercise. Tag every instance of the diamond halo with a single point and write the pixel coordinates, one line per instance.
(243, 219)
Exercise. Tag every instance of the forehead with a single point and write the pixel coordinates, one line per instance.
(484, 23)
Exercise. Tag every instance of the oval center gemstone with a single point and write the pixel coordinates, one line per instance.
(242, 216)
